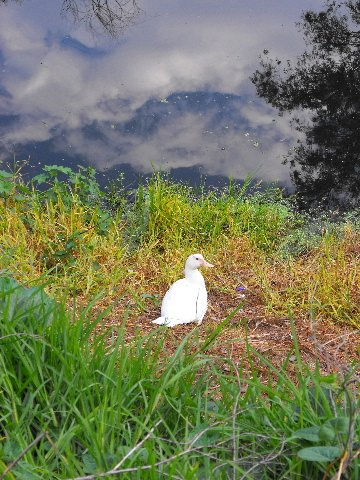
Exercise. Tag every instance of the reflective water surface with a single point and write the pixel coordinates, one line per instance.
(168, 88)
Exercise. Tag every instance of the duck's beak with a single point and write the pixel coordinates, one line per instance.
(206, 264)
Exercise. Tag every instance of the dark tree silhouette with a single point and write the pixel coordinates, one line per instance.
(111, 15)
(324, 85)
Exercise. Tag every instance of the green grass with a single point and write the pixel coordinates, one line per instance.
(175, 215)
(92, 402)
(75, 402)
(81, 241)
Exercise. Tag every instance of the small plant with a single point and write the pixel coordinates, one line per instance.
(6, 184)
(63, 182)
(12, 186)
(153, 297)
(103, 221)
(63, 250)
(298, 242)
(115, 195)
(330, 432)
(137, 218)
(20, 304)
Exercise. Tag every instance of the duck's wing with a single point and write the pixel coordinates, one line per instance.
(179, 303)
(202, 305)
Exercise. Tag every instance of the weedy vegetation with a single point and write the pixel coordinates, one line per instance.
(75, 406)
(78, 400)
(80, 240)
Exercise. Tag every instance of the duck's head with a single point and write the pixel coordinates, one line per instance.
(195, 261)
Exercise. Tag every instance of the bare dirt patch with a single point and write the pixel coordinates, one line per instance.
(333, 347)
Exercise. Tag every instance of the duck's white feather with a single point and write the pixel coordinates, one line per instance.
(185, 301)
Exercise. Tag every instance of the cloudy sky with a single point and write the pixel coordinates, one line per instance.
(172, 91)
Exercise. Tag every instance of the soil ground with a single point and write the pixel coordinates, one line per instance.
(333, 347)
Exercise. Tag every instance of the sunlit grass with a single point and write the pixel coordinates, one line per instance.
(324, 282)
(144, 243)
(86, 396)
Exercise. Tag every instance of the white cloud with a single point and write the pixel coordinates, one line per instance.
(185, 48)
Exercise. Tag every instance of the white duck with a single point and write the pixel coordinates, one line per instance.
(186, 299)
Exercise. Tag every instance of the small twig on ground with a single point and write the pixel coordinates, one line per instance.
(330, 363)
(24, 452)
(329, 467)
(349, 334)
(269, 458)
(148, 467)
(172, 476)
(342, 465)
(137, 446)
(134, 469)
(251, 434)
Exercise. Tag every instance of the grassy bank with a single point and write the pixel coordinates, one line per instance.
(132, 245)
(72, 405)
(95, 390)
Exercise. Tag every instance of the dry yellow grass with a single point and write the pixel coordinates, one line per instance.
(61, 246)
